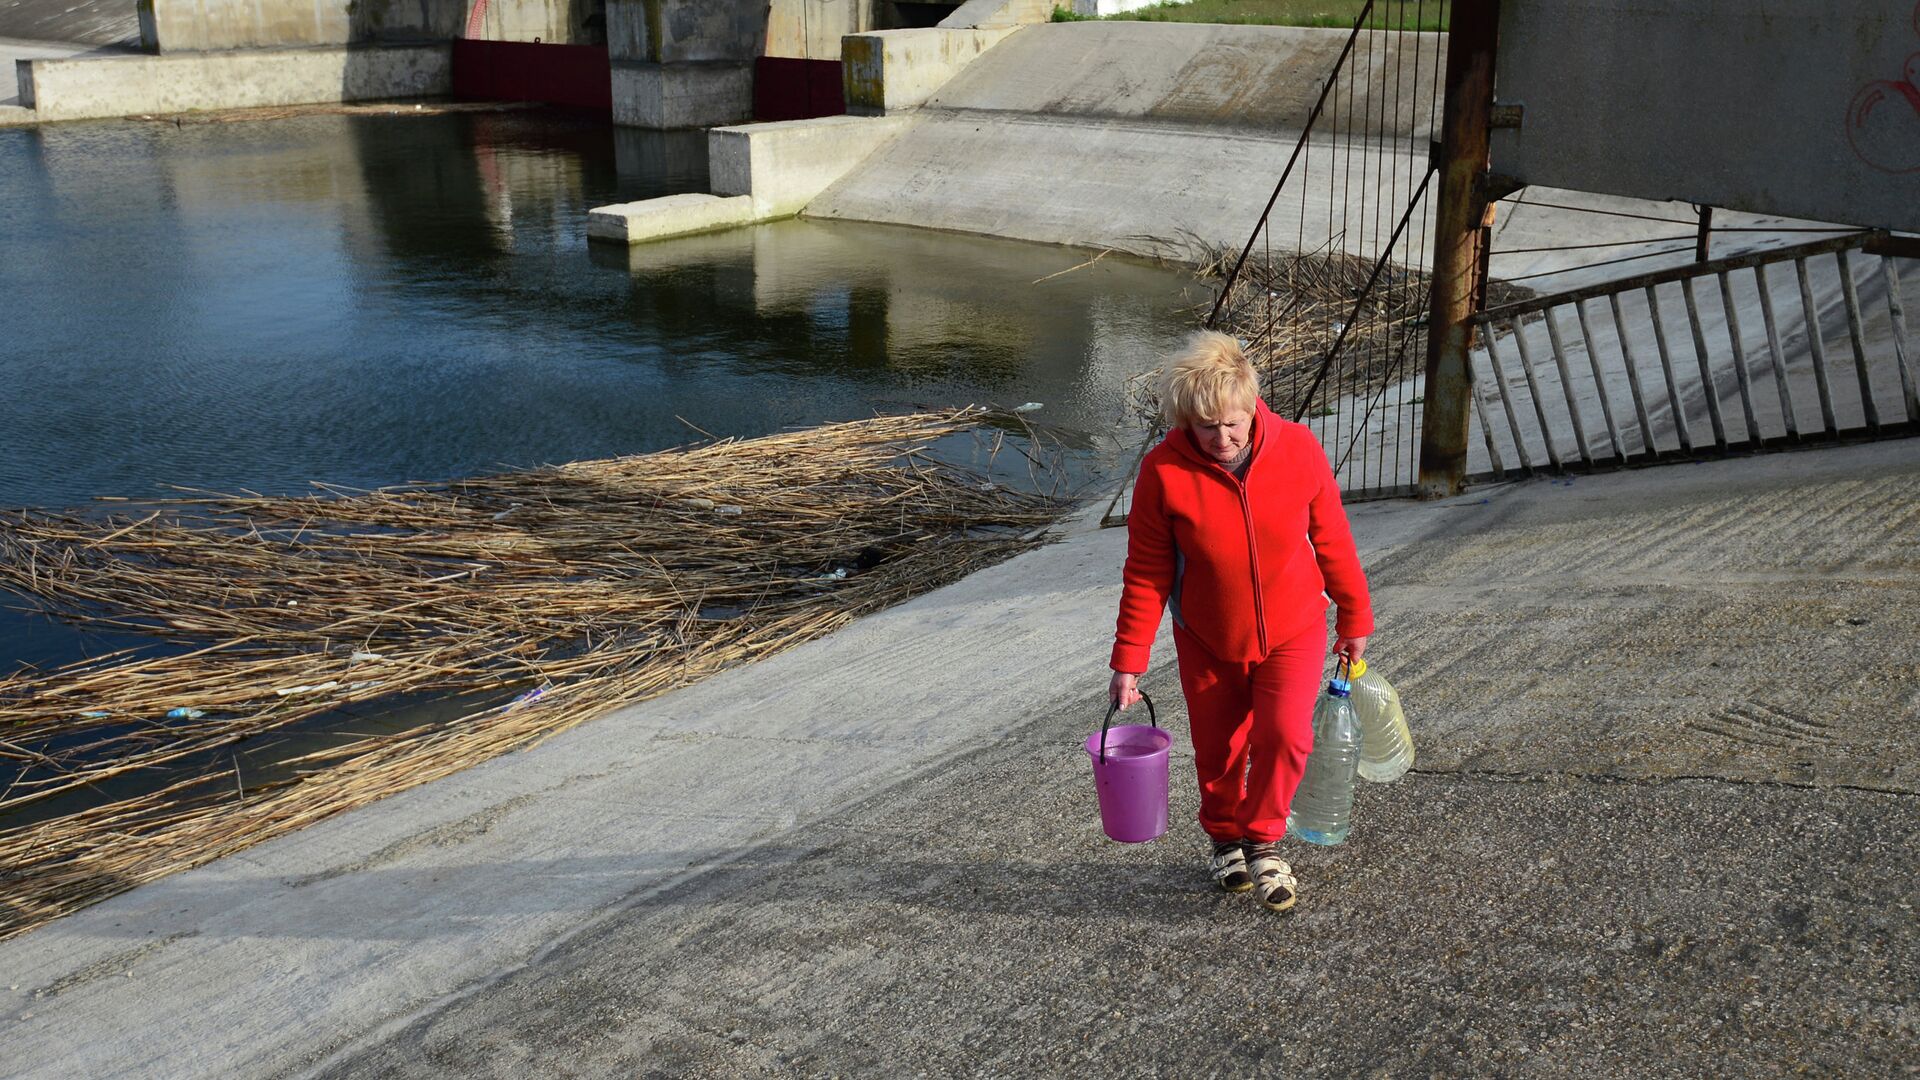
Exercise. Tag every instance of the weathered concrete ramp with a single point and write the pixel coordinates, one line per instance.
(1135, 136)
(1662, 821)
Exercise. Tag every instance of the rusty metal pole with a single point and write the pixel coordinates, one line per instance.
(1458, 236)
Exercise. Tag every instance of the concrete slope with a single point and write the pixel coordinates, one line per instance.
(879, 847)
(1135, 136)
(1151, 138)
(1260, 78)
(75, 22)
(1650, 833)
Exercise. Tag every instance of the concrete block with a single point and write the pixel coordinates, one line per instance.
(16, 115)
(783, 165)
(666, 96)
(184, 82)
(671, 215)
(890, 70)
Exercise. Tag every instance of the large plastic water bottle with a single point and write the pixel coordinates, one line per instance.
(1322, 809)
(1386, 746)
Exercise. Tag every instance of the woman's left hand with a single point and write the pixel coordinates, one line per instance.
(1350, 647)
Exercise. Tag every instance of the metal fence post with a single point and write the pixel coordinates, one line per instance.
(1461, 210)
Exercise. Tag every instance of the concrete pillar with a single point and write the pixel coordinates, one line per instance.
(683, 63)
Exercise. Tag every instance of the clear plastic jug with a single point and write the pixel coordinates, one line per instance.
(1386, 746)
(1322, 810)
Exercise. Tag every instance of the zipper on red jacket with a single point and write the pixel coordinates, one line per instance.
(1253, 552)
(1253, 560)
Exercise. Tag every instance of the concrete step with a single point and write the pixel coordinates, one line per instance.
(17, 116)
(671, 215)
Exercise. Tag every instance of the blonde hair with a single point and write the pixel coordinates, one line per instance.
(1209, 378)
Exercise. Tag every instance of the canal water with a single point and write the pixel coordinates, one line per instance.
(364, 300)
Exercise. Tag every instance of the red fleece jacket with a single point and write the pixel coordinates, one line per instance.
(1245, 565)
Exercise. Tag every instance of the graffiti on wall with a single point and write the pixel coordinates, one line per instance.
(1883, 119)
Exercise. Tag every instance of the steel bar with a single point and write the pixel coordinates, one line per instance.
(1305, 132)
(1773, 347)
(1851, 294)
(1506, 402)
(1679, 273)
(1674, 404)
(1706, 364)
(1740, 374)
(1633, 377)
(1533, 387)
(1897, 317)
(1486, 428)
(1566, 383)
(1817, 348)
(1359, 305)
(1600, 383)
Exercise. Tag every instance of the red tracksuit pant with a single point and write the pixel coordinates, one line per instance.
(1252, 729)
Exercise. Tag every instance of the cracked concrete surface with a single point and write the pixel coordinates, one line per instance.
(1662, 823)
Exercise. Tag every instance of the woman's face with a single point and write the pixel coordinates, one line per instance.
(1223, 438)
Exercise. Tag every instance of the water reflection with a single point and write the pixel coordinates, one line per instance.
(371, 299)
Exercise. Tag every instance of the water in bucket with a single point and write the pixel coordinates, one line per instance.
(1322, 809)
(1386, 746)
(1130, 774)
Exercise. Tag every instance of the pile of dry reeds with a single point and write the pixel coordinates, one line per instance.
(1290, 308)
(571, 590)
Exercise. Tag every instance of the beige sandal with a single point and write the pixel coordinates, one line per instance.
(1273, 882)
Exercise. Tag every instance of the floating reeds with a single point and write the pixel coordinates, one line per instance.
(542, 598)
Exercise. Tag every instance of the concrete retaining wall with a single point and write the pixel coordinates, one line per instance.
(190, 25)
(125, 85)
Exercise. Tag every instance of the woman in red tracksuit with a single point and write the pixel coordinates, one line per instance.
(1236, 525)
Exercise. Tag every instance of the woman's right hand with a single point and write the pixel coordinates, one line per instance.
(1123, 689)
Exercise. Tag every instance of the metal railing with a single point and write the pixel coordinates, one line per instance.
(1718, 388)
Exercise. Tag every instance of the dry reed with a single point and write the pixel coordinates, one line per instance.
(596, 584)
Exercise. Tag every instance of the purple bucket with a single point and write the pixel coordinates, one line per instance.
(1130, 772)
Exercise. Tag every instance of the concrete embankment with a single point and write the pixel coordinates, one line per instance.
(1150, 137)
(1659, 814)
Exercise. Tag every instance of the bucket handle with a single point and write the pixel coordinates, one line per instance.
(1114, 707)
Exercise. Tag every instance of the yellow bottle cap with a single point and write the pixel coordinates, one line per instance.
(1358, 668)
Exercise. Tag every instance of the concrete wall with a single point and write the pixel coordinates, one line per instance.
(893, 70)
(127, 85)
(189, 25)
(199, 25)
(1804, 108)
(812, 29)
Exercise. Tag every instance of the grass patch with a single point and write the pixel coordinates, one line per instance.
(1387, 14)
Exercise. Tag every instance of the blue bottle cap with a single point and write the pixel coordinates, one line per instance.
(1340, 688)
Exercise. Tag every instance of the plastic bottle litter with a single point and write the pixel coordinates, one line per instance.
(1386, 746)
(1031, 406)
(185, 714)
(1322, 810)
(527, 698)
